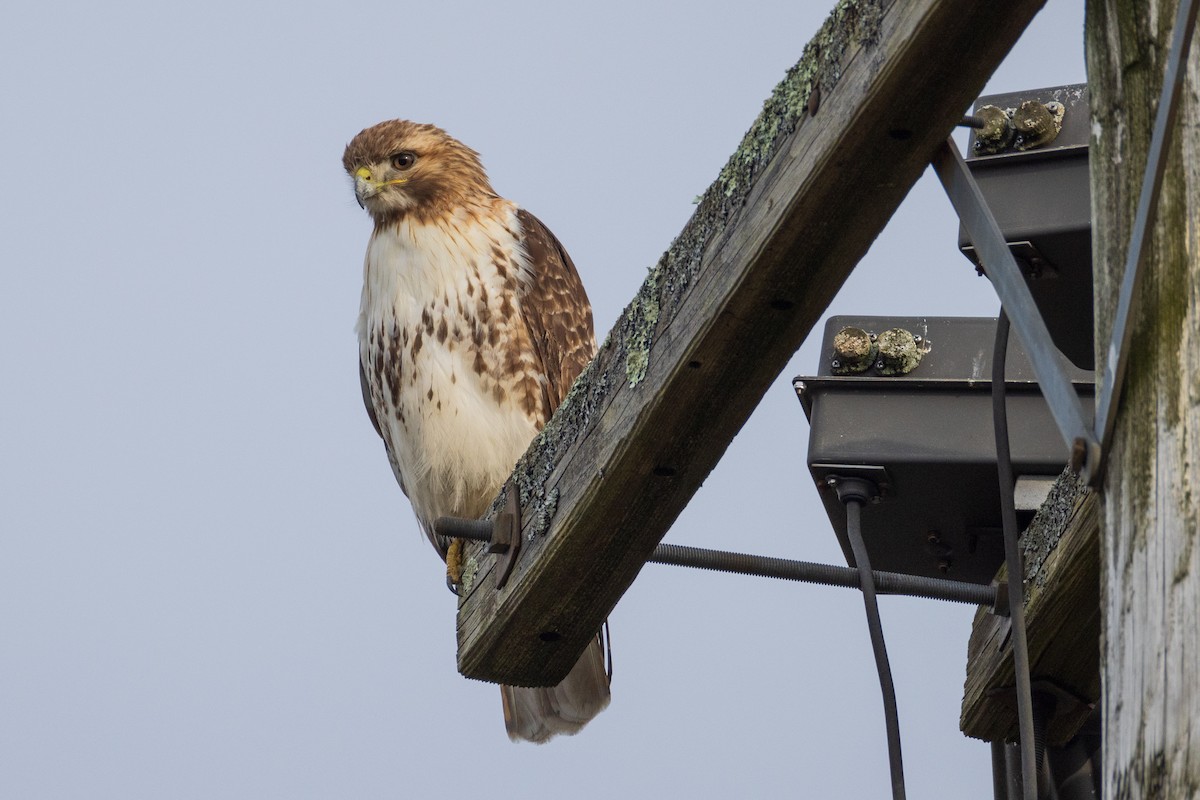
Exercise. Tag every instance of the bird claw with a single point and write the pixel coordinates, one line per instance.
(454, 565)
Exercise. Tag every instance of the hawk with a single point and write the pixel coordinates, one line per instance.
(473, 325)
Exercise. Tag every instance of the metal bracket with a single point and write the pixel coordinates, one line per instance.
(1001, 267)
(1156, 163)
(502, 534)
(506, 538)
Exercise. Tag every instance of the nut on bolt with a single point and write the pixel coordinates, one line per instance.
(853, 351)
(996, 133)
(899, 352)
(1037, 124)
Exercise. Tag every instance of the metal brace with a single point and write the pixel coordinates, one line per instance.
(1087, 447)
(1006, 277)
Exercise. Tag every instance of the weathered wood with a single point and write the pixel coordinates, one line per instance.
(1151, 511)
(1061, 554)
(771, 242)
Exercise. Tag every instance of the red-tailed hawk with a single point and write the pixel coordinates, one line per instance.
(473, 325)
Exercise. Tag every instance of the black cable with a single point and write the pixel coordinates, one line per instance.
(867, 583)
(1012, 558)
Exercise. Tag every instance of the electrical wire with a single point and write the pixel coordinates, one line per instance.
(867, 582)
(1012, 558)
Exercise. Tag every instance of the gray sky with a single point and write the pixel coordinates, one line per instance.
(210, 585)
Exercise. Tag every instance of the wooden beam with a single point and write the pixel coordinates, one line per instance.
(837, 147)
(1061, 552)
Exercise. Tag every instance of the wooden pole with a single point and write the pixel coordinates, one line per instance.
(1150, 561)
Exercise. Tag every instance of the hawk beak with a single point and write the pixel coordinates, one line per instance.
(364, 188)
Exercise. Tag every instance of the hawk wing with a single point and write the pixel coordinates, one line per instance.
(366, 393)
(556, 310)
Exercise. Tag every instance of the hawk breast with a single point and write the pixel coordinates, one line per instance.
(450, 370)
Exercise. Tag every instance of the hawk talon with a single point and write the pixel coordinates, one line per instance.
(454, 564)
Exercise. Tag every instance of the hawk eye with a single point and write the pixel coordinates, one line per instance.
(404, 160)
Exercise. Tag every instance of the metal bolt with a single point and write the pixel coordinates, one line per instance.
(836, 364)
(879, 364)
(918, 339)
(1079, 450)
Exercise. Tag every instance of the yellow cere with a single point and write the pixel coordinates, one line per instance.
(363, 173)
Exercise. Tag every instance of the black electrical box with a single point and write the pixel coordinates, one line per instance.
(1041, 199)
(925, 438)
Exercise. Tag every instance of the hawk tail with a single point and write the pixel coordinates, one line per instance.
(538, 714)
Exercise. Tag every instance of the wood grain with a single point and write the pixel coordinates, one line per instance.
(1150, 560)
(1062, 620)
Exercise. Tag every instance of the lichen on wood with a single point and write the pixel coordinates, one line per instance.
(1049, 523)
(629, 346)
(637, 329)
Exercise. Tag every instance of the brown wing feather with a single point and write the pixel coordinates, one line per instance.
(556, 310)
(366, 393)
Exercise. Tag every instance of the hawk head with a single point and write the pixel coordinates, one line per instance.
(401, 167)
